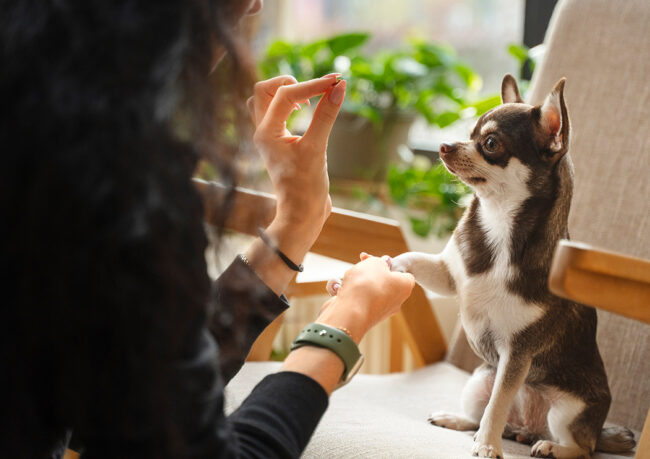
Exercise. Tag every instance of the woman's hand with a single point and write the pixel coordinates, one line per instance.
(368, 293)
(297, 165)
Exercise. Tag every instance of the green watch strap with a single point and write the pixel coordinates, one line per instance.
(331, 338)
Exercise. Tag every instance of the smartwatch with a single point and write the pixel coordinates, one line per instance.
(335, 340)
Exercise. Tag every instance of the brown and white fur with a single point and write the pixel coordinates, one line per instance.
(543, 380)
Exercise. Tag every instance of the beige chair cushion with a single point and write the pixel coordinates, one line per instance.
(602, 47)
(384, 416)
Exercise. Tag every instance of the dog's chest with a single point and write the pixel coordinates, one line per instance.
(491, 315)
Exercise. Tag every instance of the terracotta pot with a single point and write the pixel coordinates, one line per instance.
(357, 149)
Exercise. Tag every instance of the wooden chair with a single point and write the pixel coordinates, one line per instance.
(345, 233)
(603, 48)
(607, 280)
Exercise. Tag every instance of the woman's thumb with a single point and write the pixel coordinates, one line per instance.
(325, 115)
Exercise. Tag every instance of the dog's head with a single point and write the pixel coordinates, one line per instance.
(511, 143)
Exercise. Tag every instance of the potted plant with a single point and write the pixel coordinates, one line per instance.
(386, 91)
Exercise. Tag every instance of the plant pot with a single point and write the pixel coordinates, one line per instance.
(360, 150)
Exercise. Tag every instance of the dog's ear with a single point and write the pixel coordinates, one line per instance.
(554, 122)
(510, 91)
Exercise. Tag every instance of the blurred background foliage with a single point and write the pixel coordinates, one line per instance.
(418, 77)
(427, 78)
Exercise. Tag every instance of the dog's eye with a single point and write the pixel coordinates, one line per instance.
(491, 144)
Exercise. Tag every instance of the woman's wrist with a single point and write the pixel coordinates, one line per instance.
(294, 241)
(320, 364)
(347, 316)
(295, 236)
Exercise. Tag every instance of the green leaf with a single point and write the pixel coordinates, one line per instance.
(346, 42)
(421, 227)
(473, 81)
(447, 118)
(279, 48)
(487, 103)
(519, 52)
(309, 50)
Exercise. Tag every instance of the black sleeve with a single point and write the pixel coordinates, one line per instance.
(276, 420)
(242, 307)
(279, 416)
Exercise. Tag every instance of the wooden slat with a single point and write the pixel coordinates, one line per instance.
(421, 330)
(643, 448)
(396, 347)
(607, 280)
(344, 234)
(306, 288)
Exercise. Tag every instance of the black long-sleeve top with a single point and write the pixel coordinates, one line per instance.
(276, 420)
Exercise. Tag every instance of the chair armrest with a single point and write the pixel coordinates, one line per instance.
(343, 236)
(607, 280)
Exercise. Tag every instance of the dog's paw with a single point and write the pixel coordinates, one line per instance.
(487, 450)
(546, 448)
(542, 448)
(333, 286)
(401, 263)
(451, 421)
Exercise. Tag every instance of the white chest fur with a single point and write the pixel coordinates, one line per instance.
(485, 301)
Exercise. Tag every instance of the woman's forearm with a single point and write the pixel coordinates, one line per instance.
(320, 364)
(293, 240)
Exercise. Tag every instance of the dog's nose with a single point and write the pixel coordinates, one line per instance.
(447, 148)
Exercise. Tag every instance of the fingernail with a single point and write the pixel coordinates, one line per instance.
(331, 75)
(337, 93)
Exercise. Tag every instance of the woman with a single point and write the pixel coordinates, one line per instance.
(114, 335)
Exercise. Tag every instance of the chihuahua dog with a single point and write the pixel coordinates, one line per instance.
(543, 380)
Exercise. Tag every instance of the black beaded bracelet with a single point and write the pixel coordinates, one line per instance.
(282, 256)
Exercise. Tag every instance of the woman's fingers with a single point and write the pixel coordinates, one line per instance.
(263, 93)
(325, 115)
(388, 260)
(284, 100)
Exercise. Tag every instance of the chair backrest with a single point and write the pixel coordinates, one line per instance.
(602, 47)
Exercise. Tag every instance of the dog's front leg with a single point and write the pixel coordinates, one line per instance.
(430, 271)
(511, 374)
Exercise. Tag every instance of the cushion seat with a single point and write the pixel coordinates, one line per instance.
(385, 416)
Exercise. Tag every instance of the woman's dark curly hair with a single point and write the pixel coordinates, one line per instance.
(106, 108)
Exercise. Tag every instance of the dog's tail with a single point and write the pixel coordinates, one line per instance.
(615, 440)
